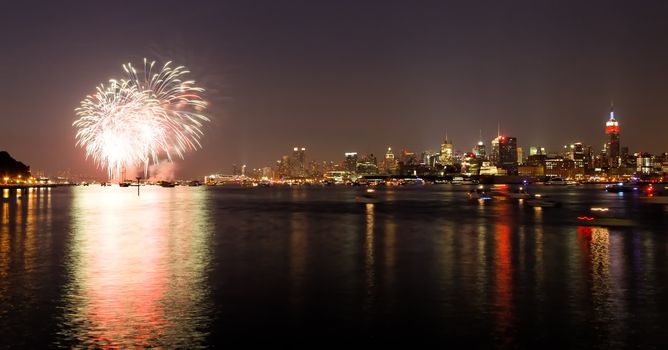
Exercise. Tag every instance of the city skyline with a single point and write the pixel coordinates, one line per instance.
(454, 153)
(346, 75)
(447, 151)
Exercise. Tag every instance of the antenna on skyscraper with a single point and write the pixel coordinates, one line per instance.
(612, 110)
(498, 130)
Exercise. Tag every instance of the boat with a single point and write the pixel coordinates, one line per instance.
(167, 184)
(460, 180)
(622, 187)
(556, 181)
(541, 201)
(479, 194)
(368, 197)
(125, 183)
(414, 181)
(520, 193)
(194, 183)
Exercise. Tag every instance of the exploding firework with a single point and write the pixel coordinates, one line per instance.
(139, 119)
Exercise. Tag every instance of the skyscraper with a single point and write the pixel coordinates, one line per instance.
(390, 164)
(350, 162)
(612, 143)
(447, 152)
(298, 162)
(494, 154)
(479, 150)
(576, 153)
(507, 160)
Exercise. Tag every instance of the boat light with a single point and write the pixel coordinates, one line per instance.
(599, 209)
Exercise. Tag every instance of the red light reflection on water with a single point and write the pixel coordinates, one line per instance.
(503, 283)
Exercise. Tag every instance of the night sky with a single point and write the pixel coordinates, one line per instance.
(343, 76)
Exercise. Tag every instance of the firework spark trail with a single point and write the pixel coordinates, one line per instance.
(137, 120)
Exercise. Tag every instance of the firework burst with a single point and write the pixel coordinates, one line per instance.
(139, 119)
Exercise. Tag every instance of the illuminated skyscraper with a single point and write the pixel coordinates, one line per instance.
(298, 162)
(507, 153)
(576, 153)
(350, 162)
(494, 154)
(479, 150)
(612, 143)
(390, 164)
(447, 152)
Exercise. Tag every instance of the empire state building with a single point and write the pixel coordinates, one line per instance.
(612, 142)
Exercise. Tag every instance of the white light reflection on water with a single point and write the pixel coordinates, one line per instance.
(138, 268)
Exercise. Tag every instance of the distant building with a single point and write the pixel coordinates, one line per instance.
(479, 151)
(350, 161)
(266, 172)
(283, 167)
(576, 153)
(535, 150)
(298, 162)
(558, 166)
(612, 148)
(367, 165)
(389, 163)
(470, 164)
(487, 168)
(494, 153)
(507, 154)
(447, 152)
(644, 163)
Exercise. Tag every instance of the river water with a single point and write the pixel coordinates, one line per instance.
(190, 267)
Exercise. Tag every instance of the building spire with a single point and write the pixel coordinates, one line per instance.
(498, 129)
(612, 110)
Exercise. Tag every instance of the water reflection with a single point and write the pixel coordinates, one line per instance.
(369, 258)
(23, 245)
(297, 258)
(503, 284)
(128, 272)
(389, 262)
(4, 241)
(138, 269)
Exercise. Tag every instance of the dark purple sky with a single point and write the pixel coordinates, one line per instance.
(343, 76)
